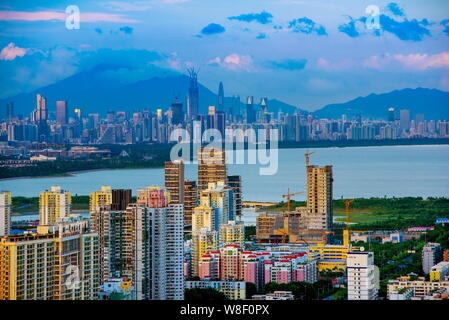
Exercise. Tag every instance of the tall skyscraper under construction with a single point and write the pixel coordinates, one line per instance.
(193, 104)
(211, 166)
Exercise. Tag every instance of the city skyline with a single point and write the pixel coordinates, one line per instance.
(311, 66)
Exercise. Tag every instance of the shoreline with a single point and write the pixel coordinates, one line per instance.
(292, 146)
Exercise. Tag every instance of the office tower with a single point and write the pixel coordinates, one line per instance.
(57, 262)
(220, 123)
(5, 213)
(405, 119)
(220, 103)
(361, 276)
(203, 241)
(193, 104)
(77, 114)
(41, 108)
(419, 118)
(190, 200)
(177, 113)
(264, 115)
(100, 198)
(120, 199)
(211, 166)
(211, 117)
(61, 112)
(232, 233)
(54, 204)
(432, 253)
(391, 115)
(9, 112)
(235, 182)
(250, 112)
(174, 181)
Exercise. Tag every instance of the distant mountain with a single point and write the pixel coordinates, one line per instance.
(434, 104)
(96, 91)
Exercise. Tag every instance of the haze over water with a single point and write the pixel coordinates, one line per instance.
(358, 172)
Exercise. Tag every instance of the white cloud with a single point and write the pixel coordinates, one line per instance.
(234, 62)
(415, 62)
(10, 52)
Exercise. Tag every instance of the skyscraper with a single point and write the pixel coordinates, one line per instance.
(177, 113)
(174, 181)
(9, 111)
(250, 112)
(54, 204)
(193, 103)
(61, 112)
(5, 213)
(361, 276)
(211, 167)
(235, 182)
(220, 103)
(405, 119)
(41, 108)
(391, 114)
(190, 200)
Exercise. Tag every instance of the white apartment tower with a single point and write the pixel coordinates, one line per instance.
(5, 213)
(361, 276)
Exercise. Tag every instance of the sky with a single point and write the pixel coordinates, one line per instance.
(307, 53)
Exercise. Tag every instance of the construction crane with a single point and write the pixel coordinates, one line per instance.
(288, 195)
(307, 155)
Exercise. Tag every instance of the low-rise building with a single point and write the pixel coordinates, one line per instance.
(439, 271)
(419, 285)
(233, 290)
(276, 295)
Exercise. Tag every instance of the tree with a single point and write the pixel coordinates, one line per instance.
(204, 295)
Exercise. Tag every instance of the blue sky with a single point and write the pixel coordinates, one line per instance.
(308, 53)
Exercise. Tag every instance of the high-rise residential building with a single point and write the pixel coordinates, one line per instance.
(250, 112)
(220, 197)
(168, 252)
(432, 253)
(404, 115)
(5, 213)
(100, 198)
(62, 113)
(120, 199)
(446, 255)
(174, 181)
(58, 262)
(203, 217)
(235, 182)
(54, 204)
(361, 276)
(211, 166)
(232, 233)
(230, 262)
(203, 241)
(193, 104)
(220, 102)
(190, 200)
(144, 243)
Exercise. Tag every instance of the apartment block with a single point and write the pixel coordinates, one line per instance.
(432, 253)
(5, 213)
(54, 204)
(361, 276)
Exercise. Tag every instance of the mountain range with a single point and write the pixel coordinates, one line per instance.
(95, 91)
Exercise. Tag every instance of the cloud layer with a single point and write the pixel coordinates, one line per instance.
(263, 17)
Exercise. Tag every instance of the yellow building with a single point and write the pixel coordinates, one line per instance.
(54, 204)
(5, 213)
(203, 241)
(203, 217)
(232, 233)
(439, 271)
(331, 257)
(103, 197)
(59, 262)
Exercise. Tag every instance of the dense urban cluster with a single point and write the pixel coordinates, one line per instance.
(70, 125)
(189, 235)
